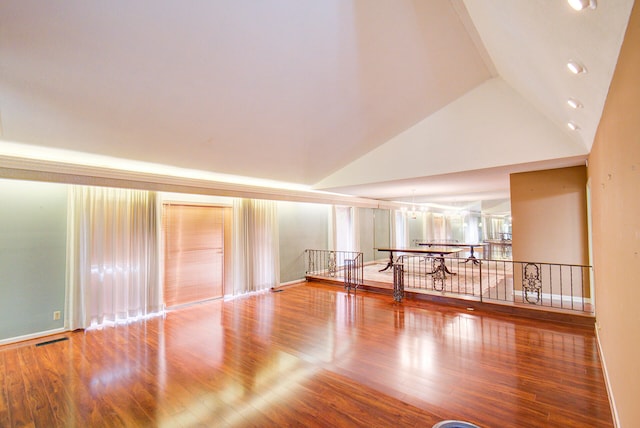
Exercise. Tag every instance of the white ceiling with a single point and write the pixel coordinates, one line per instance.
(395, 99)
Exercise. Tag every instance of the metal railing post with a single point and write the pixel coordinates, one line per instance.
(398, 280)
(480, 269)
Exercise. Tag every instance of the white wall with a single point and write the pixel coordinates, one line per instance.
(507, 128)
(302, 226)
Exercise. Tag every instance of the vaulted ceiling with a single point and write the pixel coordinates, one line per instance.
(433, 100)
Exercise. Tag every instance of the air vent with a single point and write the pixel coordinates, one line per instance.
(49, 342)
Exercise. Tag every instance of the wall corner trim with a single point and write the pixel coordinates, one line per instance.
(612, 401)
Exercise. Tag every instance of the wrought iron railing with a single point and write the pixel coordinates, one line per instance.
(346, 266)
(536, 285)
(550, 285)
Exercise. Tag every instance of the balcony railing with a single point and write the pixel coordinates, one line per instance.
(345, 265)
(551, 285)
(537, 285)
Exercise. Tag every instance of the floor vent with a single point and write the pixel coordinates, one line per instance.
(455, 424)
(49, 342)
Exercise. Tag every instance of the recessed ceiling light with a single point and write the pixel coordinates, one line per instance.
(575, 67)
(572, 126)
(573, 103)
(582, 4)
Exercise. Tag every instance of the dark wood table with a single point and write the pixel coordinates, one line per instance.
(472, 258)
(439, 268)
(439, 251)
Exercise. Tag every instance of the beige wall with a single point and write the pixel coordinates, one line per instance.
(614, 172)
(549, 216)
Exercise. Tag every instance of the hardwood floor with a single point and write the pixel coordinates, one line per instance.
(309, 356)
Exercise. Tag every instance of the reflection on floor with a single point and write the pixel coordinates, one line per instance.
(313, 356)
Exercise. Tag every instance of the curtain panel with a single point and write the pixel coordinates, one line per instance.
(344, 228)
(399, 232)
(113, 271)
(256, 245)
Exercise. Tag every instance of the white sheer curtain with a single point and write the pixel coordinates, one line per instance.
(113, 255)
(471, 230)
(355, 229)
(255, 245)
(344, 229)
(439, 228)
(492, 226)
(400, 231)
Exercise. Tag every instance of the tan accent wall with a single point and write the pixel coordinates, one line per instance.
(614, 172)
(549, 216)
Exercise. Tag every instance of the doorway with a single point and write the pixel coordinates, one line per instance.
(194, 253)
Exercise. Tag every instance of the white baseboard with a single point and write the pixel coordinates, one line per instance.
(290, 283)
(612, 401)
(32, 336)
(556, 297)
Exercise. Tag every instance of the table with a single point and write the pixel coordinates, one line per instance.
(439, 267)
(505, 244)
(472, 258)
(441, 251)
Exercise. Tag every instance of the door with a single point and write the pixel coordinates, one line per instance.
(193, 253)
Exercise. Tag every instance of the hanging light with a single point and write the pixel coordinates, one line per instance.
(582, 4)
(413, 213)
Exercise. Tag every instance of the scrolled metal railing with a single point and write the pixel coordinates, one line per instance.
(432, 274)
(534, 284)
(543, 285)
(347, 266)
(562, 286)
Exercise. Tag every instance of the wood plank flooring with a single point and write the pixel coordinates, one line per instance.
(309, 356)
